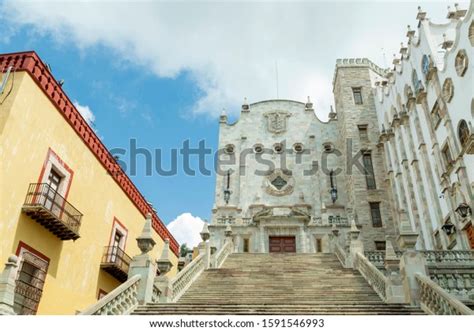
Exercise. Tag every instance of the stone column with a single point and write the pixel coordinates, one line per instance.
(411, 263)
(162, 281)
(143, 264)
(7, 286)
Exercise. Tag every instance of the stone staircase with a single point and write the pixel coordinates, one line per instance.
(301, 284)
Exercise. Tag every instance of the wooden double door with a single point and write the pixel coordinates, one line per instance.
(282, 244)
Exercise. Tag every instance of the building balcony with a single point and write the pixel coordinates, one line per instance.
(47, 207)
(115, 262)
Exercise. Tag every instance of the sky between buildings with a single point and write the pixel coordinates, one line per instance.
(161, 72)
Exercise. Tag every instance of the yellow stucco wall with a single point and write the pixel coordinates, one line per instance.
(29, 125)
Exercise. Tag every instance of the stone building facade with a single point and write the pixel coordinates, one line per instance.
(425, 111)
(287, 178)
(395, 154)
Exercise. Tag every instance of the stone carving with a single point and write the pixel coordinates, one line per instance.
(461, 62)
(372, 275)
(276, 121)
(448, 89)
(279, 183)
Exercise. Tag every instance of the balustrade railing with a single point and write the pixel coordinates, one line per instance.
(372, 275)
(433, 258)
(461, 257)
(341, 254)
(459, 283)
(436, 301)
(223, 253)
(186, 277)
(121, 301)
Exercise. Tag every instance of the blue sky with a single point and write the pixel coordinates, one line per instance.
(162, 72)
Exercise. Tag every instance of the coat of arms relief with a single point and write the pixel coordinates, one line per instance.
(276, 121)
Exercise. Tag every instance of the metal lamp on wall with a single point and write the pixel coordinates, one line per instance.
(464, 210)
(333, 190)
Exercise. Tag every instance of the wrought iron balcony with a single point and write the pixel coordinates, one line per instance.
(116, 262)
(50, 209)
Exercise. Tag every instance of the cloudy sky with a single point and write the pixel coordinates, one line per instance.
(161, 72)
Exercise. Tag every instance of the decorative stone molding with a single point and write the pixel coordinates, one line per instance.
(279, 183)
(448, 90)
(277, 121)
(461, 62)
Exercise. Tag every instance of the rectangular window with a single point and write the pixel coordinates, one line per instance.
(375, 214)
(435, 116)
(357, 92)
(363, 132)
(30, 280)
(369, 172)
(380, 245)
(448, 159)
(470, 235)
(246, 245)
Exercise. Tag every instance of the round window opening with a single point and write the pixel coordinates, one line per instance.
(298, 148)
(328, 148)
(258, 149)
(278, 148)
(229, 149)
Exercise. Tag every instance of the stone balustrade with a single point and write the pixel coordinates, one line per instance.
(372, 275)
(186, 277)
(433, 258)
(436, 301)
(223, 253)
(121, 301)
(459, 283)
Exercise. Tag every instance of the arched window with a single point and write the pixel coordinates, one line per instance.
(463, 133)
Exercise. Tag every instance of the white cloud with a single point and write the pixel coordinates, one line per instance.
(186, 228)
(230, 48)
(86, 112)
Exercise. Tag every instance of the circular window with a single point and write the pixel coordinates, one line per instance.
(298, 148)
(258, 149)
(328, 147)
(461, 62)
(229, 149)
(278, 148)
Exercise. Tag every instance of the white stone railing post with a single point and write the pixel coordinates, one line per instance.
(144, 265)
(356, 245)
(411, 263)
(393, 287)
(162, 282)
(7, 286)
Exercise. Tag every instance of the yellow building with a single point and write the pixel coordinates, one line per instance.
(66, 207)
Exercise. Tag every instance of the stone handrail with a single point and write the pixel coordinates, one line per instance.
(341, 254)
(372, 275)
(457, 282)
(224, 252)
(436, 301)
(378, 257)
(433, 257)
(186, 277)
(121, 301)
